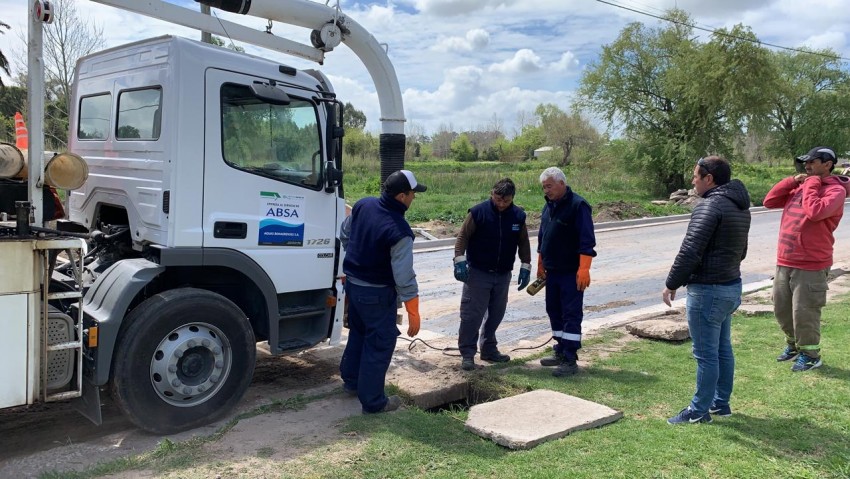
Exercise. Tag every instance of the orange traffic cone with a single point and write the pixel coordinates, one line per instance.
(22, 137)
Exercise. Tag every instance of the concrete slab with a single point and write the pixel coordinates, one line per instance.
(532, 418)
(664, 329)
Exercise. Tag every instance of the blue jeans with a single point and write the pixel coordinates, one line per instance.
(710, 308)
(372, 338)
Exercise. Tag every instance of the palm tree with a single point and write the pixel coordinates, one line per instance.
(4, 63)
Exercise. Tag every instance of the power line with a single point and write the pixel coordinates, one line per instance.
(717, 32)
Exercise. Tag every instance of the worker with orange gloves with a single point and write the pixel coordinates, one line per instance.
(565, 251)
(379, 273)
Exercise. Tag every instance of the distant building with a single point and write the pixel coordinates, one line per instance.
(543, 149)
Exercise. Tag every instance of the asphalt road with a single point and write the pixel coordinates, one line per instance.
(628, 274)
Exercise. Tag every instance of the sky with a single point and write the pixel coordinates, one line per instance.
(475, 64)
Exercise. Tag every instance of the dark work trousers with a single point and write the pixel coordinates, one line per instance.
(372, 337)
(564, 303)
(483, 293)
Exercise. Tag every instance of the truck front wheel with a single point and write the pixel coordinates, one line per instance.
(185, 359)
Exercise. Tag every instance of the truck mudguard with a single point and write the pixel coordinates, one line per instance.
(235, 260)
(107, 301)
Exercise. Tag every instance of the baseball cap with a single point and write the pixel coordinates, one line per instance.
(402, 181)
(818, 153)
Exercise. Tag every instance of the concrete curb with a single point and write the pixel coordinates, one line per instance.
(421, 245)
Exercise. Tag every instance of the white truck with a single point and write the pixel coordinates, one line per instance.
(208, 223)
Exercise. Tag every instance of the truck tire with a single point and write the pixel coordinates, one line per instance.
(185, 359)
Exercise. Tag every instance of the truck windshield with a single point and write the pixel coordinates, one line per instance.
(277, 141)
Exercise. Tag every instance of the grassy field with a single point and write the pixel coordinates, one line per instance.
(453, 187)
(784, 424)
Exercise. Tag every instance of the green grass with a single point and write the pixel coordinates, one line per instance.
(785, 424)
(454, 187)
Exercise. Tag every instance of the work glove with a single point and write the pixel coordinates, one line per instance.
(412, 307)
(541, 271)
(583, 274)
(461, 269)
(524, 276)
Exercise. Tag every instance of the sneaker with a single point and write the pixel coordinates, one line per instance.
(496, 357)
(393, 403)
(350, 392)
(566, 368)
(789, 354)
(554, 360)
(688, 416)
(805, 362)
(467, 364)
(722, 411)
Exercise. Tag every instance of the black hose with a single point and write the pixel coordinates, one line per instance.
(38, 229)
(391, 151)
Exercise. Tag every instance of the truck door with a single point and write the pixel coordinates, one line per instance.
(263, 189)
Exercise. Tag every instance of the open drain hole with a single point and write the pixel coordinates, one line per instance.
(461, 399)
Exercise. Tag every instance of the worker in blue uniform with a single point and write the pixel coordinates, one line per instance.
(492, 235)
(566, 243)
(379, 273)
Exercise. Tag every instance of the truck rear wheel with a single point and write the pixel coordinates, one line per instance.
(185, 359)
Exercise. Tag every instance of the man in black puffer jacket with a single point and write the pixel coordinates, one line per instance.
(709, 263)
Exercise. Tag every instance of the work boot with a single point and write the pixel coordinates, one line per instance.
(566, 368)
(553, 360)
(495, 357)
(467, 364)
(393, 403)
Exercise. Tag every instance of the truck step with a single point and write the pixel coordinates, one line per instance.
(291, 344)
(299, 312)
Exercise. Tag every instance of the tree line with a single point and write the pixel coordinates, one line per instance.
(676, 99)
(668, 98)
(665, 97)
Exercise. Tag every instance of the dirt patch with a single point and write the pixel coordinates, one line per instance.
(445, 229)
(617, 211)
(604, 350)
(609, 305)
(440, 229)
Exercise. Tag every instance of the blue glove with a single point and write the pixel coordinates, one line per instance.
(461, 269)
(524, 277)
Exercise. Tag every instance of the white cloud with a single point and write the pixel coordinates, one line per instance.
(429, 110)
(834, 40)
(567, 63)
(474, 40)
(377, 15)
(715, 8)
(458, 7)
(462, 61)
(523, 61)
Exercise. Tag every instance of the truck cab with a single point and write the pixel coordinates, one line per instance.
(213, 182)
(216, 162)
(208, 223)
